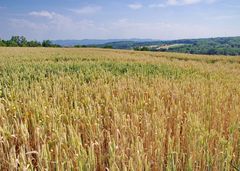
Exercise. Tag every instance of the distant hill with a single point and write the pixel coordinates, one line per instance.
(210, 46)
(94, 41)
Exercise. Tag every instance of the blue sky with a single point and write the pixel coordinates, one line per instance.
(107, 19)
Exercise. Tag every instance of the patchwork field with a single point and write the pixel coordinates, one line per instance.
(97, 109)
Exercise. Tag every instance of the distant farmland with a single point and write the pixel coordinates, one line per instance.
(98, 109)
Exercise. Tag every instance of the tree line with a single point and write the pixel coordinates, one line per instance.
(210, 46)
(215, 46)
(21, 41)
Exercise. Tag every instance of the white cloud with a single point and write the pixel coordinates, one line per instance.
(135, 6)
(64, 27)
(58, 21)
(57, 26)
(180, 3)
(210, 1)
(172, 2)
(125, 28)
(224, 17)
(27, 28)
(157, 5)
(22, 23)
(189, 2)
(183, 2)
(46, 14)
(87, 10)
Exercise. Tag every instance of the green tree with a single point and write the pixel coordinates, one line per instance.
(2, 43)
(19, 40)
(46, 43)
(33, 44)
(108, 47)
(11, 43)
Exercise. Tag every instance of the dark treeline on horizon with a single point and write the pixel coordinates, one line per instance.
(209, 46)
(21, 41)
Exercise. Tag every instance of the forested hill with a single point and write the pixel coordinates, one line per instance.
(211, 46)
(218, 46)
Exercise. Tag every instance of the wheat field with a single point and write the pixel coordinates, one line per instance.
(98, 109)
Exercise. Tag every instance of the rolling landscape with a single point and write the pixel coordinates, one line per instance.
(228, 46)
(208, 46)
(120, 85)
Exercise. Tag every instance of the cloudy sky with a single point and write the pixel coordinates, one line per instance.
(106, 19)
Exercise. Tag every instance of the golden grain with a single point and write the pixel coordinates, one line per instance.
(97, 109)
